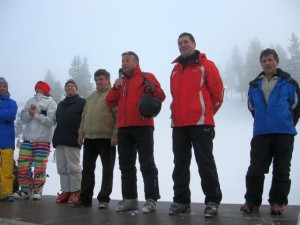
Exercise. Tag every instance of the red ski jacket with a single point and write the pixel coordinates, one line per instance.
(197, 92)
(128, 97)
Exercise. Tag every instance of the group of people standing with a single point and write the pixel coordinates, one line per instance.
(110, 117)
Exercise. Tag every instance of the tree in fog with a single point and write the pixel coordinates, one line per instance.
(251, 66)
(57, 90)
(294, 61)
(234, 72)
(79, 72)
(283, 57)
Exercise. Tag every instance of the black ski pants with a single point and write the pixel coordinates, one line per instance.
(265, 149)
(201, 139)
(133, 140)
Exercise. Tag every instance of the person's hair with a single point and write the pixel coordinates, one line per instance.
(269, 51)
(191, 37)
(133, 54)
(102, 72)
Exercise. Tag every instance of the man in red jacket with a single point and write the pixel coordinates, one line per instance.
(197, 92)
(135, 133)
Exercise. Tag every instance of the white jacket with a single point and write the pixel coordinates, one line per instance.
(40, 127)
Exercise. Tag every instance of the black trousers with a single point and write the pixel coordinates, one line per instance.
(201, 139)
(265, 149)
(133, 140)
(92, 149)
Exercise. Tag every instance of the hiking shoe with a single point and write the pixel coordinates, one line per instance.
(20, 195)
(249, 208)
(211, 210)
(102, 205)
(149, 206)
(62, 197)
(36, 196)
(177, 208)
(7, 198)
(81, 204)
(276, 209)
(73, 197)
(127, 205)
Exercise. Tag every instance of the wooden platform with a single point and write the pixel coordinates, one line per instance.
(46, 211)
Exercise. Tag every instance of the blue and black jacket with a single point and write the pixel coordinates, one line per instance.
(281, 113)
(8, 111)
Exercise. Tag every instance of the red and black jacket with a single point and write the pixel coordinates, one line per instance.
(128, 97)
(197, 91)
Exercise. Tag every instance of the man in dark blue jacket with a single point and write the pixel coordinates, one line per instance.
(273, 101)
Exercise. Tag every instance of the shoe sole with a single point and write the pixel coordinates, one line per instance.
(276, 213)
(133, 210)
(146, 211)
(249, 212)
(176, 213)
(209, 216)
(80, 206)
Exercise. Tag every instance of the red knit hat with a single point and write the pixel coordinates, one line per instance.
(44, 86)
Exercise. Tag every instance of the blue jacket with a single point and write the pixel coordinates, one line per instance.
(281, 113)
(8, 111)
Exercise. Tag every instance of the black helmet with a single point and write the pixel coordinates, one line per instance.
(149, 106)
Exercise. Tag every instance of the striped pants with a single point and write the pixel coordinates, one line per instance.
(37, 153)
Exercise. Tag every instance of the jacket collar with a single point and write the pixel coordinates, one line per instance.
(136, 71)
(5, 96)
(70, 99)
(104, 89)
(280, 74)
(194, 58)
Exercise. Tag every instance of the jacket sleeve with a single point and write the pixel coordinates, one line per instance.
(158, 91)
(115, 121)
(214, 85)
(296, 103)
(250, 102)
(25, 117)
(9, 114)
(81, 127)
(112, 97)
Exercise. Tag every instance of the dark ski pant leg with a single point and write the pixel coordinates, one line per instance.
(108, 156)
(88, 170)
(260, 160)
(202, 139)
(182, 160)
(145, 147)
(281, 183)
(127, 152)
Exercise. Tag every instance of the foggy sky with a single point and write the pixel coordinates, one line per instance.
(37, 35)
(40, 35)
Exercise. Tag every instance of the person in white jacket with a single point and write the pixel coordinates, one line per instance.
(38, 117)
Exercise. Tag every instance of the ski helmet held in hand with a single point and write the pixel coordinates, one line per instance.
(149, 106)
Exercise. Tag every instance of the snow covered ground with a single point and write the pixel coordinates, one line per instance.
(231, 150)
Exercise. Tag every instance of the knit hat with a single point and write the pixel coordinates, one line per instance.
(71, 81)
(3, 81)
(44, 86)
